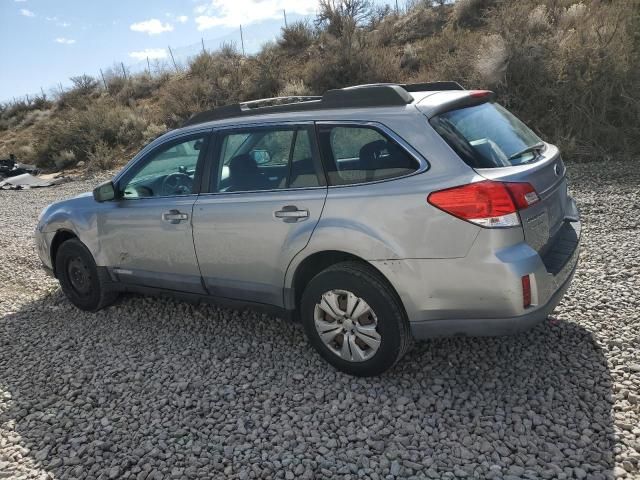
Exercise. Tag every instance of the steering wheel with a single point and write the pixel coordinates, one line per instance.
(177, 184)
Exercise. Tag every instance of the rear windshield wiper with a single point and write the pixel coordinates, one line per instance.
(536, 147)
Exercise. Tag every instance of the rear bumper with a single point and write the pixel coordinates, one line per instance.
(482, 327)
(481, 294)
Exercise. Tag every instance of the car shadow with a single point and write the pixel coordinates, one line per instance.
(200, 391)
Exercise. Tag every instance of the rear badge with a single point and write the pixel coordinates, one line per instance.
(536, 218)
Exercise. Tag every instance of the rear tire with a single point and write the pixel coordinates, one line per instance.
(82, 282)
(351, 302)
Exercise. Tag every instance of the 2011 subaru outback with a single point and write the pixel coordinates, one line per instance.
(373, 213)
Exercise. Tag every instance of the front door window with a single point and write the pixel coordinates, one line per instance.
(169, 171)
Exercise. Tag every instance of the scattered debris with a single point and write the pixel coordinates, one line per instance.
(26, 180)
(11, 168)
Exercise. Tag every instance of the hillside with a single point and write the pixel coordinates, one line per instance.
(569, 69)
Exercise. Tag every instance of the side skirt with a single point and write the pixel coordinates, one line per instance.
(209, 299)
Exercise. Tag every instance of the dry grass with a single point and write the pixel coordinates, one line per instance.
(571, 69)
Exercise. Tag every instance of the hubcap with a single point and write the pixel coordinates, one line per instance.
(79, 276)
(347, 325)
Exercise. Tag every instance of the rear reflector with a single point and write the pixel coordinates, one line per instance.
(486, 203)
(526, 291)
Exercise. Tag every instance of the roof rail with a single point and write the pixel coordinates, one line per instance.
(280, 100)
(373, 95)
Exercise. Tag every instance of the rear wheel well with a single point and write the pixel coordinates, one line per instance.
(314, 264)
(60, 237)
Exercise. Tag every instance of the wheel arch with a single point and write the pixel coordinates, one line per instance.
(313, 264)
(59, 238)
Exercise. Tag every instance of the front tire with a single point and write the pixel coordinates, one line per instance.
(81, 280)
(355, 320)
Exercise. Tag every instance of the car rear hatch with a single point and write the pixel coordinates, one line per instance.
(501, 148)
(541, 221)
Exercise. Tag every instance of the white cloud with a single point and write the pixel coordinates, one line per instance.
(182, 19)
(223, 13)
(27, 13)
(152, 27)
(59, 23)
(152, 53)
(19, 1)
(65, 41)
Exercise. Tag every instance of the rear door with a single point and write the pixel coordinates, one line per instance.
(266, 194)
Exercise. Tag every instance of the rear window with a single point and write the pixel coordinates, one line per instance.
(488, 136)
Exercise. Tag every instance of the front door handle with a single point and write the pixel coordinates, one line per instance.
(174, 216)
(291, 214)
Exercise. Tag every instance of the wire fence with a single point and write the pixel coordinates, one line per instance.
(245, 40)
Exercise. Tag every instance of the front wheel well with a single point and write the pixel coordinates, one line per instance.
(60, 237)
(314, 264)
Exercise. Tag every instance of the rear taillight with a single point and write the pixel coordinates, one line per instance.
(486, 203)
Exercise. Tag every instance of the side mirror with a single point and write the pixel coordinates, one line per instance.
(261, 157)
(104, 192)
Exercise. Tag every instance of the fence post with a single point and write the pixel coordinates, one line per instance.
(124, 72)
(148, 67)
(284, 12)
(204, 50)
(103, 80)
(242, 40)
(173, 59)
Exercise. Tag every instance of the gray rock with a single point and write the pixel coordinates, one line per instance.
(163, 388)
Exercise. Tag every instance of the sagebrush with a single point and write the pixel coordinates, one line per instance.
(570, 69)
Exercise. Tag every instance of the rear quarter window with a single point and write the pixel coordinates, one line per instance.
(359, 154)
(488, 136)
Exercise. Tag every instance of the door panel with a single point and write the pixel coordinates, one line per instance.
(244, 249)
(147, 244)
(146, 235)
(266, 200)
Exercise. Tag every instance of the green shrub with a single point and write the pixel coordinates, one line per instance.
(568, 68)
(79, 131)
(296, 37)
(101, 157)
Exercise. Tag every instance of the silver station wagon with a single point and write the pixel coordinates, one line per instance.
(372, 214)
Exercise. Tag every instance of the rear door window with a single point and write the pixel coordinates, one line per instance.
(357, 154)
(488, 136)
(274, 158)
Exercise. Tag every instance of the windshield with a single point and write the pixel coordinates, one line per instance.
(488, 136)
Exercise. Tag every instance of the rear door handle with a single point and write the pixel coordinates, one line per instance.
(174, 216)
(291, 213)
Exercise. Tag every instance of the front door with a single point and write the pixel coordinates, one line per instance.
(266, 197)
(146, 235)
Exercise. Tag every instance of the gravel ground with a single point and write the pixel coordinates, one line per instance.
(156, 388)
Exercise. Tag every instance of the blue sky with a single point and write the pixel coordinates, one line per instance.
(43, 42)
